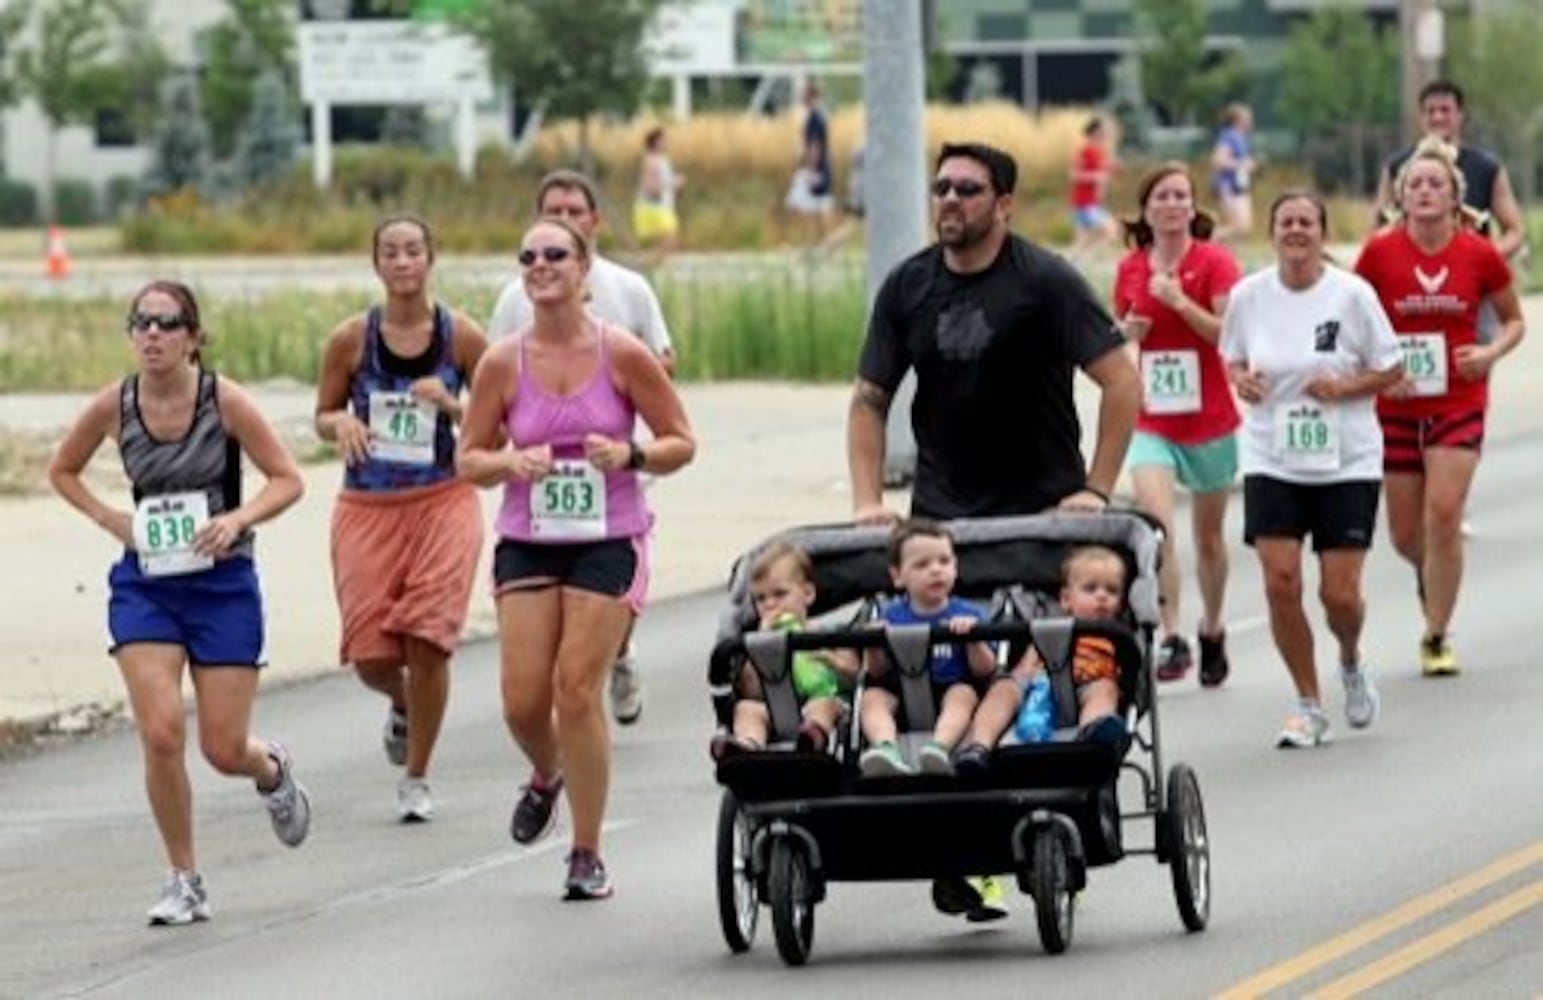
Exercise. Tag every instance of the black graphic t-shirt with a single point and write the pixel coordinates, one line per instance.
(994, 353)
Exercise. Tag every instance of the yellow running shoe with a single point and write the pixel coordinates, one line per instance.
(1437, 658)
(993, 900)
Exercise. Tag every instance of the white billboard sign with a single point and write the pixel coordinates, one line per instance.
(390, 62)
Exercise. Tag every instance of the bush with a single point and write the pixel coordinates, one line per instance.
(75, 202)
(18, 203)
(122, 195)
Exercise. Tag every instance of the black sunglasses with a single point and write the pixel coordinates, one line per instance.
(964, 189)
(551, 255)
(166, 322)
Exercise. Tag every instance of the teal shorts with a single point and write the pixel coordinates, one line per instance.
(1199, 468)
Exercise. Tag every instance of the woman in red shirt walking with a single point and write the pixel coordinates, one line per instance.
(1169, 294)
(1431, 272)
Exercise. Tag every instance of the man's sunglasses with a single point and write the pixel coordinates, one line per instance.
(964, 189)
(552, 255)
(165, 322)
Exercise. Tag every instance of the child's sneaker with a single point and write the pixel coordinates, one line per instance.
(724, 745)
(972, 758)
(587, 878)
(1107, 729)
(1362, 702)
(289, 807)
(1437, 658)
(1173, 658)
(183, 901)
(934, 758)
(883, 760)
(1305, 727)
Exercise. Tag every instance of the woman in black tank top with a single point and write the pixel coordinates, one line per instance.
(185, 593)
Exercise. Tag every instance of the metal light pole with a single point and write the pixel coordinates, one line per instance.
(1421, 31)
(894, 176)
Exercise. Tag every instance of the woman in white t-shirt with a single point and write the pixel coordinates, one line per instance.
(1309, 347)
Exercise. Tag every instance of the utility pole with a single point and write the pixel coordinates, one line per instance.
(1421, 31)
(894, 177)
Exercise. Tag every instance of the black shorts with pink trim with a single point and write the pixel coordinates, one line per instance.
(1404, 439)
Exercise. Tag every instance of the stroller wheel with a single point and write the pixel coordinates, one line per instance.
(791, 889)
(1054, 902)
(1189, 847)
(739, 903)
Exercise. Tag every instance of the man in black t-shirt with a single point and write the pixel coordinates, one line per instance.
(994, 327)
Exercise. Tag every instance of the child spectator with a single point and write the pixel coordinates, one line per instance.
(922, 563)
(1092, 589)
(782, 587)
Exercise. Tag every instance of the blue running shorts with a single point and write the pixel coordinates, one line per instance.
(215, 614)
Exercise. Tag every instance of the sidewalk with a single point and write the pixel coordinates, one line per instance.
(770, 456)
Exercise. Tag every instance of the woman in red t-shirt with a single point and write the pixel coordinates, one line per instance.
(1169, 294)
(1432, 272)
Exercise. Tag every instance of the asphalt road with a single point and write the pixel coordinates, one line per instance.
(1325, 862)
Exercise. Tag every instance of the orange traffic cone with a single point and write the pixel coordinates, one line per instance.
(58, 254)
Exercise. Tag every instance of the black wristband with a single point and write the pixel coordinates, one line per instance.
(635, 457)
(1096, 492)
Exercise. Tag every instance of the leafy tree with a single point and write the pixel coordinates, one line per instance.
(572, 59)
(1339, 90)
(1178, 73)
(13, 19)
(89, 56)
(179, 155)
(1494, 57)
(256, 38)
(266, 149)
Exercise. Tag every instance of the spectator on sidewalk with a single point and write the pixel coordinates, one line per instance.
(655, 218)
(1092, 167)
(185, 593)
(811, 194)
(1232, 172)
(1170, 292)
(619, 296)
(571, 565)
(406, 530)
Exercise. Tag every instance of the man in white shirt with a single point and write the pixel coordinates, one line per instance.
(617, 295)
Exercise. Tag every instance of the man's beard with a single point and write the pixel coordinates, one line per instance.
(964, 234)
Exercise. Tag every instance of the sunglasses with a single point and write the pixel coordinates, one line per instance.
(964, 189)
(552, 255)
(165, 322)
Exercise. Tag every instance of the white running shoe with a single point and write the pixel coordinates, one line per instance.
(626, 689)
(1306, 726)
(394, 737)
(183, 901)
(1362, 702)
(413, 802)
(288, 804)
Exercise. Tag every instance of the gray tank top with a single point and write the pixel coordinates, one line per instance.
(205, 458)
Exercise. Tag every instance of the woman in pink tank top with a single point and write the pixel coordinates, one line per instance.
(571, 564)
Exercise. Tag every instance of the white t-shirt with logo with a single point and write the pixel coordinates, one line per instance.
(1338, 328)
(617, 295)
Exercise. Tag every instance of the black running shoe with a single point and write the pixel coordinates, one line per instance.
(954, 895)
(536, 811)
(1173, 659)
(1214, 667)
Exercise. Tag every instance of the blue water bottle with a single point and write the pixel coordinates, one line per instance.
(1035, 718)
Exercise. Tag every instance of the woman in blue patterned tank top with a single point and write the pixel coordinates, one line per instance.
(185, 593)
(406, 531)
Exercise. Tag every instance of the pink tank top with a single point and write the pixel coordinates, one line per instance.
(577, 502)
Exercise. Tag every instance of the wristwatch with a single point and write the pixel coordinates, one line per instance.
(636, 457)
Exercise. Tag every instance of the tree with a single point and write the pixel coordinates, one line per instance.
(1178, 73)
(1495, 58)
(89, 56)
(256, 38)
(13, 20)
(266, 148)
(179, 154)
(571, 59)
(1339, 88)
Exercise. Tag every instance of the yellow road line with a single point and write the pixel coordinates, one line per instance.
(1433, 944)
(1357, 938)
